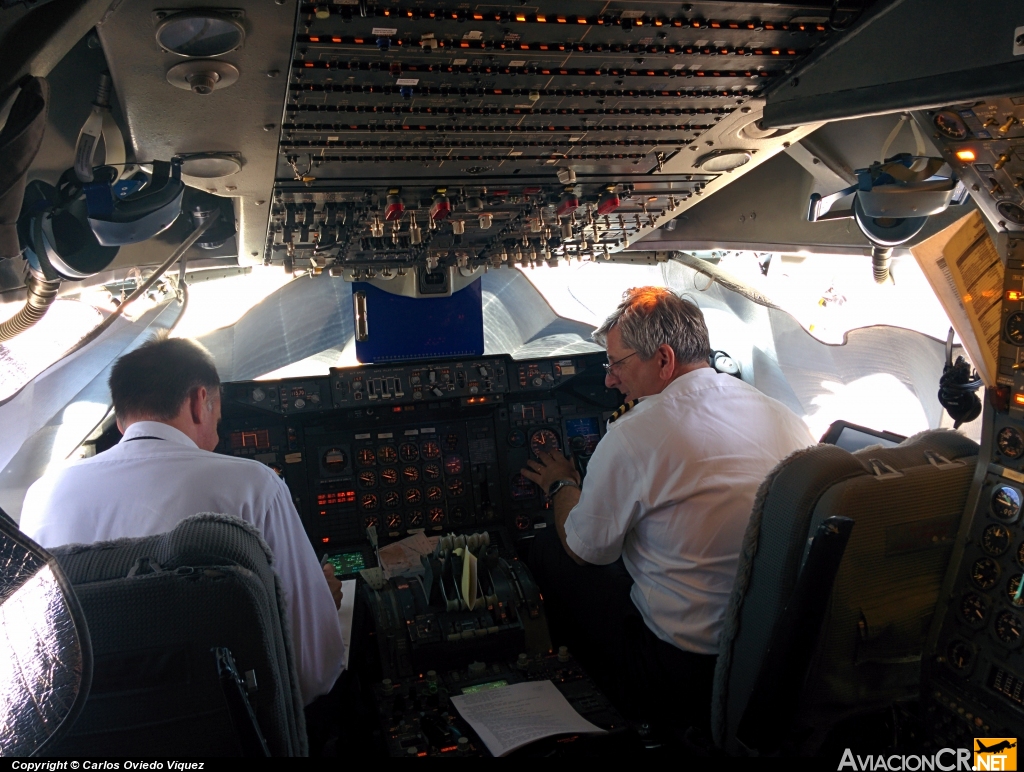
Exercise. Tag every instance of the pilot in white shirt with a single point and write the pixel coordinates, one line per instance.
(166, 397)
(647, 551)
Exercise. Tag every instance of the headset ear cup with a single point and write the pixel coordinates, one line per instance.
(67, 247)
(975, 409)
(723, 363)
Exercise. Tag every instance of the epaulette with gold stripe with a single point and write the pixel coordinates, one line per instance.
(622, 410)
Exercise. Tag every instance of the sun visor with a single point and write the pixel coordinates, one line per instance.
(393, 328)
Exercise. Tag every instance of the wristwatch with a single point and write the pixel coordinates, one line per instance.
(557, 485)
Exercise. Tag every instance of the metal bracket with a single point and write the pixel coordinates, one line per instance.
(939, 461)
(362, 323)
(882, 470)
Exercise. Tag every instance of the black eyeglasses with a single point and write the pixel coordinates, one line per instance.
(609, 366)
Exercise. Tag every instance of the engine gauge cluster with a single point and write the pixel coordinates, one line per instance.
(432, 446)
(415, 479)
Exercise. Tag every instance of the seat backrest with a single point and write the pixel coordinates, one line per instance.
(907, 503)
(156, 608)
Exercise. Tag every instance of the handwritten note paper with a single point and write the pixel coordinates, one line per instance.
(513, 716)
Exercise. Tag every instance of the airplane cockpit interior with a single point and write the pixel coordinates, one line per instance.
(404, 232)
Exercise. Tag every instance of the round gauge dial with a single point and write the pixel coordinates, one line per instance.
(436, 516)
(950, 125)
(410, 474)
(408, 451)
(387, 454)
(366, 457)
(1005, 502)
(456, 488)
(522, 522)
(372, 521)
(1014, 592)
(369, 501)
(453, 465)
(516, 438)
(430, 450)
(1014, 328)
(431, 471)
(985, 573)
(434, 493)
(578, 443)
(415, 518)
(451, 442)
(389, 475)
(335, 460)
(394, 522)
(1010, 442)
(995, 540)
(960, 654)
(974, 609)
(457, 516)
(1008, 628)
(258, 395)
(521, 488)
(392, 499)
(413, 496)
(543, 441)
(368, 479)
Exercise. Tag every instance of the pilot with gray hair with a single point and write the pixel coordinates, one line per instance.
(648, 544)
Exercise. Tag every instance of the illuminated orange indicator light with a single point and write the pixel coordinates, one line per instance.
(541, 18)
(1014, 295)
(520, 17)
(1019, 399)
(966, 155)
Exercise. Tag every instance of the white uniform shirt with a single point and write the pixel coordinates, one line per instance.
(145, 487)
(671, 487)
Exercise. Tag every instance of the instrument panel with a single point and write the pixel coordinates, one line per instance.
(976, 671)
(432, 446)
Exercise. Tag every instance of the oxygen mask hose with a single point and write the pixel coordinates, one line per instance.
(41, 294)
(880, 263)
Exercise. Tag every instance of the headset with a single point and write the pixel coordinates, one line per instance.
(74, 230)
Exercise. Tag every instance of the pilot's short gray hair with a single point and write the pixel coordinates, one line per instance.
(647, 317)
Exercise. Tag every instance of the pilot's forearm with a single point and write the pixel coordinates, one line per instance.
(565, 499)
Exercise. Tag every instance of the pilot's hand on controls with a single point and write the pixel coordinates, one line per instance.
(334, 583)
(548, 468)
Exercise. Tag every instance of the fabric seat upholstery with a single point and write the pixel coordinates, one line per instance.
(207, 583)
(907, 503)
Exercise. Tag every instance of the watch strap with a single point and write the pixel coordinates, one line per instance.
(557, 485)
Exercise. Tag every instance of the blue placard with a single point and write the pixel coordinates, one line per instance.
(402, 328)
